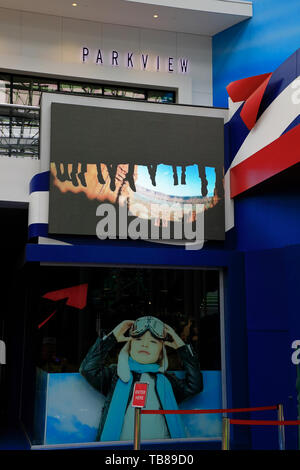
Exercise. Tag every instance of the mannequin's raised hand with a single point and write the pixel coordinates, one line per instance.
(176, 340)
(120, 330)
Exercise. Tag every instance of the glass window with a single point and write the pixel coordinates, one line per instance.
(110, 91)
(5, 88)
(161, 96)
(93, 331)
(135, 94)
(125, 93)
(72, 87)
(19, 132)
(5, 127)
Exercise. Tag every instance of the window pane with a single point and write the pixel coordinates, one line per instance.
(27, 91)
(124, 93)
(4, 89)
(136, 94)
(4, 135)
(80, 88)
(19, 132)
(161, 96)
(71, 309)
(111, 91)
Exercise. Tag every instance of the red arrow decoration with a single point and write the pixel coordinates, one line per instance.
(251, 90)
(76, 297)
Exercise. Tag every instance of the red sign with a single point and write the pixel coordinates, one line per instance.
(139, 394)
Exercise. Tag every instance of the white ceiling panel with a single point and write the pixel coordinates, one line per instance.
(205, 17)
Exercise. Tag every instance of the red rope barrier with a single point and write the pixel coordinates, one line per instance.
(264, 423)
(185, 412)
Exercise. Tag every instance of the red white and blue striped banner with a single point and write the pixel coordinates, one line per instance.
(263, 129)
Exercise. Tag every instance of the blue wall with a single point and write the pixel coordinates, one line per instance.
(273, 321)
(267, 223)
(256, 46)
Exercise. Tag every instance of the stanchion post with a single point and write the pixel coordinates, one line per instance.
(225, 433)
(137, 428)
(139, 401)
(281, 430)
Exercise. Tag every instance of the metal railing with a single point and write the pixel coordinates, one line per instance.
(225, 422)
(280, 423)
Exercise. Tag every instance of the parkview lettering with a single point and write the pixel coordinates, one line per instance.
(131, 60)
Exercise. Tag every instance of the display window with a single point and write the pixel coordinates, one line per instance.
(92, 332)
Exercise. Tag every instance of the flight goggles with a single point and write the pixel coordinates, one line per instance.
(143, 324)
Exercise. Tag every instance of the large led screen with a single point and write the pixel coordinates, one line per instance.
(135, 173)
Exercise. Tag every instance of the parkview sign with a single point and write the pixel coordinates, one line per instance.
(131, 60)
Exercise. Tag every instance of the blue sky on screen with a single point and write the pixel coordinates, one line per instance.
(165, 182)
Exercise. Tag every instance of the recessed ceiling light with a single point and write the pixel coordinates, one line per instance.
(74, 4)
(155, 16)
